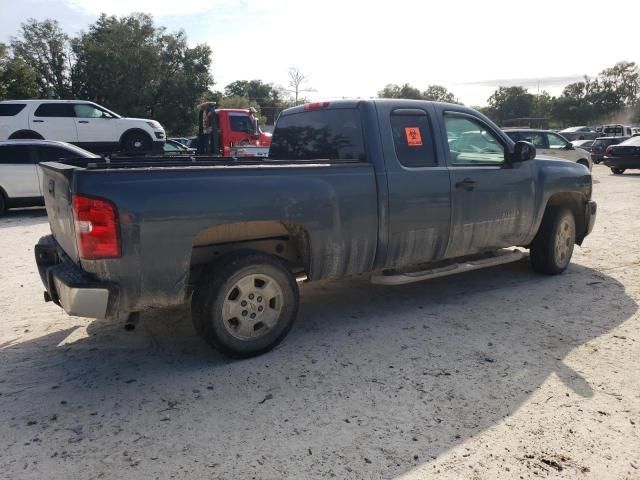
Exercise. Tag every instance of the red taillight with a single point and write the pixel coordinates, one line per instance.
(96, 228)
(316, 105)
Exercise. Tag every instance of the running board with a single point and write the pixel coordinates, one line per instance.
(500, 257)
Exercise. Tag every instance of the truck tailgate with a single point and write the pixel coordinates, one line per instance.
(56, 188)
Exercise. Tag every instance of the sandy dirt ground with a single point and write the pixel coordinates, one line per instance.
(494, 374)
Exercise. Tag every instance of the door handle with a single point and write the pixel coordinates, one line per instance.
(37, 121)
(83, 121)
(466, 184)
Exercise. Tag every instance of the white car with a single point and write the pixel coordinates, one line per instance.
(81, 123)
(20, 176)
(551, 144)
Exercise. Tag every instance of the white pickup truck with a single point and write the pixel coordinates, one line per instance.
(81, 123)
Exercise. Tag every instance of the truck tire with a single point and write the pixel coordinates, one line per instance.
(617, 171)
(551, 249)
(245, 304)
(136, 143)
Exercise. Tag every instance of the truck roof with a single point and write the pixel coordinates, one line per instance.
(353, 103)
(45, 101)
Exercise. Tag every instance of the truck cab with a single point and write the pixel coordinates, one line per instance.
(223, 130)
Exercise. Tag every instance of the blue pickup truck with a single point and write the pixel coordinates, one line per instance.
(403, 190)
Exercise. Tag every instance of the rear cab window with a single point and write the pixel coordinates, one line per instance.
(413, 138)
(11, 109)
(326, 134)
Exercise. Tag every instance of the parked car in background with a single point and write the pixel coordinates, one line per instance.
(551, 144)
(601, 144)
(617, 130)
(183, 140)
(579, 133)
(20, 176)
(81, 123)
(624, 156)
(583, 144)
(173, 147)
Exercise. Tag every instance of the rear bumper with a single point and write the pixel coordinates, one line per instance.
(591, 210)
(69, 286)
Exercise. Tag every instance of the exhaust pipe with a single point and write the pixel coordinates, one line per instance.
(132, 321)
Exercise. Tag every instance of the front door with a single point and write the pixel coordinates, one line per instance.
(492, 199)
(55, 121)
(418, 187)
(96, 128)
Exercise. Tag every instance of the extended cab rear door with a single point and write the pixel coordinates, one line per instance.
(418, 184)
(492, 198)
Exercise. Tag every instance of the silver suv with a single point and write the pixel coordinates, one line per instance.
(20, 176)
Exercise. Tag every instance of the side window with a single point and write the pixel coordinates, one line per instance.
(15, 154)
(11, 109)
(413, 138)
(539, 140)
(471, 142)
(556, 141)
(53, 154)
(84, 110)
(54, 110)
(334, 134)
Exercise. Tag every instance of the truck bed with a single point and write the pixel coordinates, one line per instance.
(169, 211)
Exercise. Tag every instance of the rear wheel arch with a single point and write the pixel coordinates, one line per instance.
(288, 241)
(25, 134)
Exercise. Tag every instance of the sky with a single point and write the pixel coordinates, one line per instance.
(354, 48)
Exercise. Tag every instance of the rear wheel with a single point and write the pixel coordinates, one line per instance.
(246, 304)
(617, 171)
(552, 247)
(136, 143)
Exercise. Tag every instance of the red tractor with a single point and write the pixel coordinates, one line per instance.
(231, 132)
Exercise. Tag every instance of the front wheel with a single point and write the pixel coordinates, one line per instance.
(3, 205)
(551, 249)
(617, 171)
(246, 304)
(136, 143)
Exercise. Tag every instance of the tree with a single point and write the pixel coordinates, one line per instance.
(438, 93)
(510, 102)
(266, 95)
(135, 68)
(238, 101)
(624, 79)
(17, 79)
(297, 81)
(44, 47)
(405, 91)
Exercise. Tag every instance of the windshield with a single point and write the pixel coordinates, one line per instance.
(633, 141)
(241, 123)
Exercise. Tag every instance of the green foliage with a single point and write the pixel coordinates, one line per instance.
(438, 93)
(510, 102)
(137, 69)
(17, 79)
(44, 47)
(434, 93)
(269, 98)
(239, 101)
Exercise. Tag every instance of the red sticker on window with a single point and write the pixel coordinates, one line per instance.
(413, 136)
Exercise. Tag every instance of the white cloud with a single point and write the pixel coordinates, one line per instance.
(353, 48)
(158, 8)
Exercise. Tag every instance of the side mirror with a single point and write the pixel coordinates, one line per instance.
(568, 146)
(523, 151)
(256, 128)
